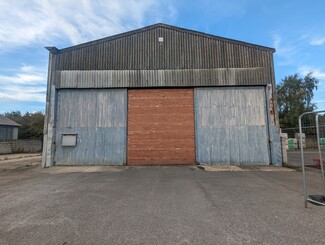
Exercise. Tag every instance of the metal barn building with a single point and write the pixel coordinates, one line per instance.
(161, 95)
(8, 129)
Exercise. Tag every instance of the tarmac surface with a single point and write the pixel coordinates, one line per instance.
(156, 205)
(294, 157)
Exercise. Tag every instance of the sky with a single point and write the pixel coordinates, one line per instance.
(295, 28)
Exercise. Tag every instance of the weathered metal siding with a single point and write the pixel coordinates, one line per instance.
(231, 126)
(275, 146)
(15, 133)
(273, 125)
(162, 78)
(181, 49)
(50, 119)
(7, 132)
(98, 117)
(184, 58)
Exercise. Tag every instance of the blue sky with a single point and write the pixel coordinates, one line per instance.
(296, 29)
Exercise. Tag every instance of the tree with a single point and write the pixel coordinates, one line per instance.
(35, 125)
(32, 124)
(295, 95)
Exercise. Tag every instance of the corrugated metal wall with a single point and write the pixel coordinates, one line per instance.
(184, 58)
(275, 139)
(162, 78)
(7, 132)
(180, 49)
(231, 126)
(98, 117)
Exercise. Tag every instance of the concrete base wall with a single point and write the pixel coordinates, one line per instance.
(20, 146)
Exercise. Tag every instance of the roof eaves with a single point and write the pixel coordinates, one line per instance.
(52, 49)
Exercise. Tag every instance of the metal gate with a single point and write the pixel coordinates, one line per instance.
(307, 122)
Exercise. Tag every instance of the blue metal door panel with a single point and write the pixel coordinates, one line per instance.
(98, 117)
(231, 126)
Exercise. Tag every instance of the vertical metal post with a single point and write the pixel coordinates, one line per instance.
(319, 149)
(268, 120)
(303, 162)
(49, 122)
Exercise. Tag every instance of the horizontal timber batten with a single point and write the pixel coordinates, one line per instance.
(163, 78)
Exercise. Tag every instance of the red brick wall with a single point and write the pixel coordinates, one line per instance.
(161, 126)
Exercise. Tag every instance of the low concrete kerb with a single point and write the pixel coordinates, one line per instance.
(82, 169)
(230, 168)
(298, 168)
(5, 157)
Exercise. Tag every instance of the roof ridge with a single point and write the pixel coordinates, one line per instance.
(150, 27)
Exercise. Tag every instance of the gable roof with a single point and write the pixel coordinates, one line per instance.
(5, 121)
(159, 25)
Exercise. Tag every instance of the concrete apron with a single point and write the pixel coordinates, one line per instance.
(90, 169)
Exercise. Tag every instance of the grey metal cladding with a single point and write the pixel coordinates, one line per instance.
(159, 78)
(275, 144)
(6, 132)
(184, 58)
(231, 126)
(180, 50)
(98, 117)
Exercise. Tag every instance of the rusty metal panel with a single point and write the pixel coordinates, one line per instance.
(231, 126)
(274, 130)
(98, 118)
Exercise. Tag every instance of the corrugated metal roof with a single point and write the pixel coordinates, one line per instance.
(5, 121)
(160, 25)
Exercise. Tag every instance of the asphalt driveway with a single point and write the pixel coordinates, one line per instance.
(156, 205)
(294, 157)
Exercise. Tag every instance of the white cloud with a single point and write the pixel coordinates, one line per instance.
(21, 96)
(318, 73)
(22, 78)
(26, 75)
(29, 68)
(285, 51)
(25, 22)
(317, 41)
(27, 84)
